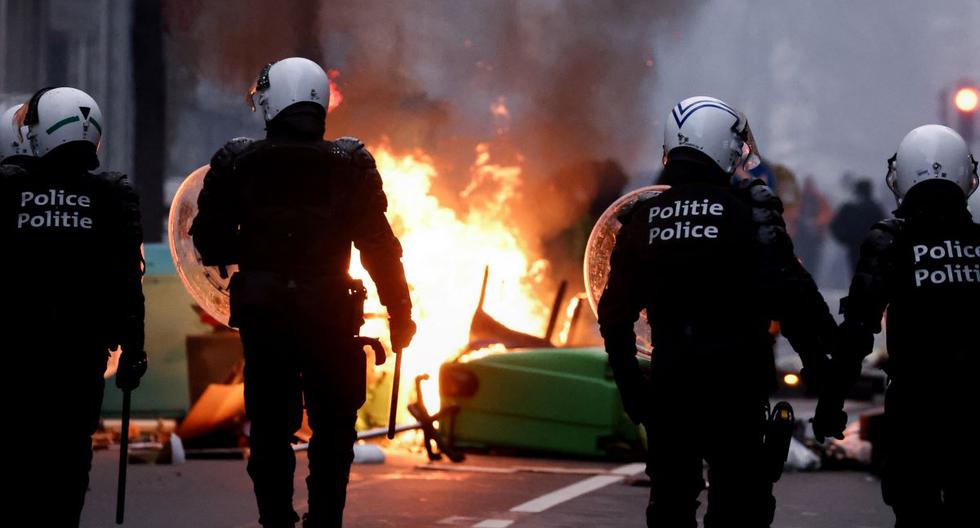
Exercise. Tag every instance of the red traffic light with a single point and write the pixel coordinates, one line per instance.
(966, 99)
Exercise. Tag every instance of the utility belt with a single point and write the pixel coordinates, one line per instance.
(340, 296)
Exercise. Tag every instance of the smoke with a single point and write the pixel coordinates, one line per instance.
(556, 86)
(230, 42)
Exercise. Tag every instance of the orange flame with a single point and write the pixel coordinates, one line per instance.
(445, 253)
(501, 115)
(335, 96)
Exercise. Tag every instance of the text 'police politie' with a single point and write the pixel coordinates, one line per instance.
(946, 269)
(54, 208)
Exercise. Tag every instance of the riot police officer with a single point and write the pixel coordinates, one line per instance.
(14, 147)
(711, 263)
(923, 267)
(73, 249)
(286, 209)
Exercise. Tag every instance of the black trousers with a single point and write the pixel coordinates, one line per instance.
(293, 357)
(695, 417)
(930, 462)
(54, 390)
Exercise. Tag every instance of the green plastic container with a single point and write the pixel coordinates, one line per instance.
(558, 400)
(170, 318)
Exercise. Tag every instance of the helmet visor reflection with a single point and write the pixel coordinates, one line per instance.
(750, 150)
(260, 84)
(250, 97)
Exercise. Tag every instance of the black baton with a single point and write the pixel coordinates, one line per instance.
(393, 412)
(123, 459)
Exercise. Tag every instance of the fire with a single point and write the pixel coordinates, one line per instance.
(445, 253)
(501, 115)
(335, 96)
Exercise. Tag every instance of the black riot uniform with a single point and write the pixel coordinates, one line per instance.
(924, 267)
(713, 266)
(286, 210)
(72, 253)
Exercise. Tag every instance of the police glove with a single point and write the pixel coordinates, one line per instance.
(402, 329)
(853, 343)
(829, 420)
(132, 366)
(634, 388)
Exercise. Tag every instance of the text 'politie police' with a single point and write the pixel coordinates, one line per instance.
(683, 228)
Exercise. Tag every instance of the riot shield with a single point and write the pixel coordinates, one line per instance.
(599, 249)
(204, 283)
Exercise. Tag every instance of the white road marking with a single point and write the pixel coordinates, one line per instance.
(493, 523)
(630, 469)
(578, 489)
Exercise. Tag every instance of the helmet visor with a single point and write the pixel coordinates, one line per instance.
(974, 177)
(260, 84)
(19, 122)
(750, 150)
(250, 96)
(891, 177)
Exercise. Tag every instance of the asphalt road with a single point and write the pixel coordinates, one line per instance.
(485, 491)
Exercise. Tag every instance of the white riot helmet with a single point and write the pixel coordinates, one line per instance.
(13, 138)
(287, 82)
(56, 116)
(713, 127)
(931, 152)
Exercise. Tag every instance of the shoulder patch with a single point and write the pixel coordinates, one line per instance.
(225, 156)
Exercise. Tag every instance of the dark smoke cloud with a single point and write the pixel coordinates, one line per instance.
(576, 77)
(229, 42)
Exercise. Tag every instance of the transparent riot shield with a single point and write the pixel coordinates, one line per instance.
(599, 249)
(204, 283)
